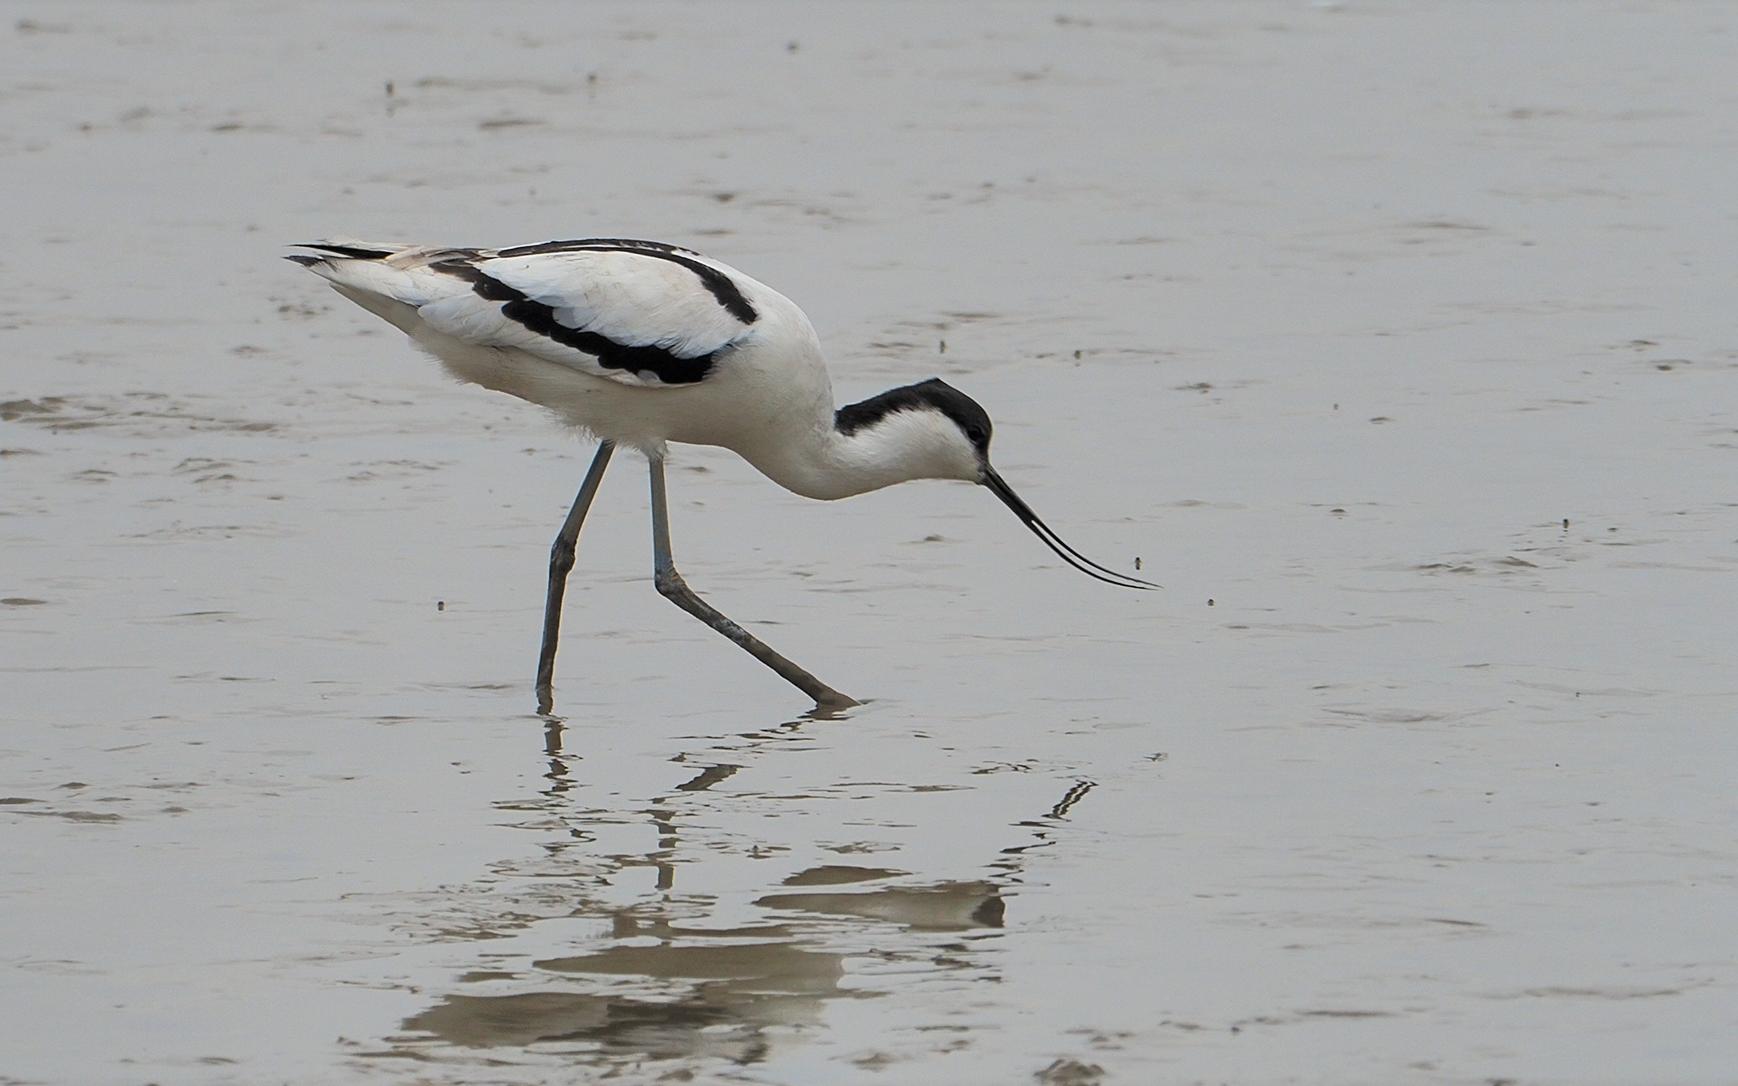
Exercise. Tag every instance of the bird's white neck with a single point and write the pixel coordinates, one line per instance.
(828, 463)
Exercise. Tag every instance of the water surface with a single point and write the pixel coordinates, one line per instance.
(1394, 340)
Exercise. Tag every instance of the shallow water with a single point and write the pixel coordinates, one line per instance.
(1394, 340)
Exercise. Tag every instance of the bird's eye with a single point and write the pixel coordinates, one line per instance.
(976, 435)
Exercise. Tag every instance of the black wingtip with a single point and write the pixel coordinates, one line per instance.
(304, 259)
(353, 251)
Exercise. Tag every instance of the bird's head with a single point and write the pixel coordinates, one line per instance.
(945, 434)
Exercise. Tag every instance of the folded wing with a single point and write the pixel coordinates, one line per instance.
(640, 313)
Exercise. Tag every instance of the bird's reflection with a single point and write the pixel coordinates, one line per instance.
(689, 977)
(557, 776)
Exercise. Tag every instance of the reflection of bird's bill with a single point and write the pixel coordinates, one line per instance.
(1043, 531)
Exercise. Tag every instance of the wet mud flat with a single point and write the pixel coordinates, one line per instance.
(1393, 340)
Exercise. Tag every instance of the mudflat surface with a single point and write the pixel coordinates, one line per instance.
(1395, 340)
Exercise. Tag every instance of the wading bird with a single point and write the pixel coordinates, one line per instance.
(641, 343)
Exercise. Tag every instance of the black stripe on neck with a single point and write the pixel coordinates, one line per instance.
(666, 366)
(721, 286)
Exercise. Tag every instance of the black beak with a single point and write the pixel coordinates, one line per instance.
(1068, 554)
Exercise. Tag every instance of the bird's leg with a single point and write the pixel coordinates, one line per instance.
(672, 587)
(560, 562)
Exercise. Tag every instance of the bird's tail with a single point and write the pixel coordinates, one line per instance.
(391, 281)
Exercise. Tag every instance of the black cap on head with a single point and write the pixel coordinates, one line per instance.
(936, 394)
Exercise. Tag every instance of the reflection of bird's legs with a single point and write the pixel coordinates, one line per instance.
(557, 775)
(673, 588)
(664, 860)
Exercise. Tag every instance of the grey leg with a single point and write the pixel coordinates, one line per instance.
(672, 587)
(560, 563)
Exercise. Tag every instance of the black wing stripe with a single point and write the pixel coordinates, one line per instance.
(723, 288)
(579, 244)
(666, 366)
(348, 250)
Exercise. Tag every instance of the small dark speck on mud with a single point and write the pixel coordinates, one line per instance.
(440, 605)
(1137, 563)
(1209, 601)
(1565, 524)
(1337, 511)
(941, 347)
(1381, 418)
(1077, 356)
(792, 46)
